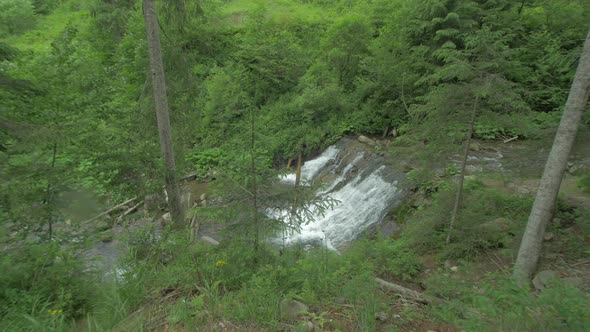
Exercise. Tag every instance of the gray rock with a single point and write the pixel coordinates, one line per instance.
(366, 140)
(307, 326)
(470, 169)
(548, 236)
(449, 264)
(292, 309)
(542, 279)
(166, 219)
(454, 268)
(381, 316)
(209, 240)
(474, 146)
(102, 225)
(519, 189)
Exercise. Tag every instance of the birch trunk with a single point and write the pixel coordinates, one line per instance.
(544, 205)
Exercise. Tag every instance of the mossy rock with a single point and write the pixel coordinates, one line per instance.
(106, 236)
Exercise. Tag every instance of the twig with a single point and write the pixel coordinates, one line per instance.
(510, 139)
(497, 264)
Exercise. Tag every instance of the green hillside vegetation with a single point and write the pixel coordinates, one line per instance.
(251, 86)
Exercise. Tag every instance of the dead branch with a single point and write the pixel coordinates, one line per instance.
(510, 139)
(110, 210)
(129, 211)
(410, 293)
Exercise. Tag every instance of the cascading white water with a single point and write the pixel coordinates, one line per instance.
(312, 167)
(364, 199)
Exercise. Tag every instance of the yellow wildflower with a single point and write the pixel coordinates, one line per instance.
(220, 263)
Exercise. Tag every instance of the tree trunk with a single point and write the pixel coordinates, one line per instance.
(463, 166)
(49, 195)
(161, 100)
(542, 211)
(254, 189)
(298, 170)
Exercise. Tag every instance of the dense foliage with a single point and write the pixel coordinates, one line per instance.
(259, 82)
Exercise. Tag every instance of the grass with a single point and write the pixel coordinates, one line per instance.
(47, 28)
(281, 11)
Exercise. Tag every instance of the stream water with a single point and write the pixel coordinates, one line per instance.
(365, 188)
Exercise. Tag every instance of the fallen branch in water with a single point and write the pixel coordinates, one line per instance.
(110, 210)
(129, 211)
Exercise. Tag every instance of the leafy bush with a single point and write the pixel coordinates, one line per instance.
(15, 16)
(487, 219)
(45, 283)
(583, 182)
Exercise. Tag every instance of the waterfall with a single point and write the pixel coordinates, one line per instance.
(365, 196)
(311, 168)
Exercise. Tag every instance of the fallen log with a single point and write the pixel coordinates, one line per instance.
(110, 210)
(129, 211)
(410, 293)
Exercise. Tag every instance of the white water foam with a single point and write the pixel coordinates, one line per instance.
(312, 167)
(362, 203)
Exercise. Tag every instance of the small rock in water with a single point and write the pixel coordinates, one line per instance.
(366, 140)
(474, 146)
(542, 279)
(548, 236)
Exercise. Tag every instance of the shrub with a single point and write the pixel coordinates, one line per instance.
(498, 304)
(477, 227)
(43, 283)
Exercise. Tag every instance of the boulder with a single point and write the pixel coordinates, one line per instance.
(474, 146)
(292, 309)
(542, 279)
(366, 140)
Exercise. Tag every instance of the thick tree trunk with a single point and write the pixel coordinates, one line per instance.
(543, 207)
(162, 113)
